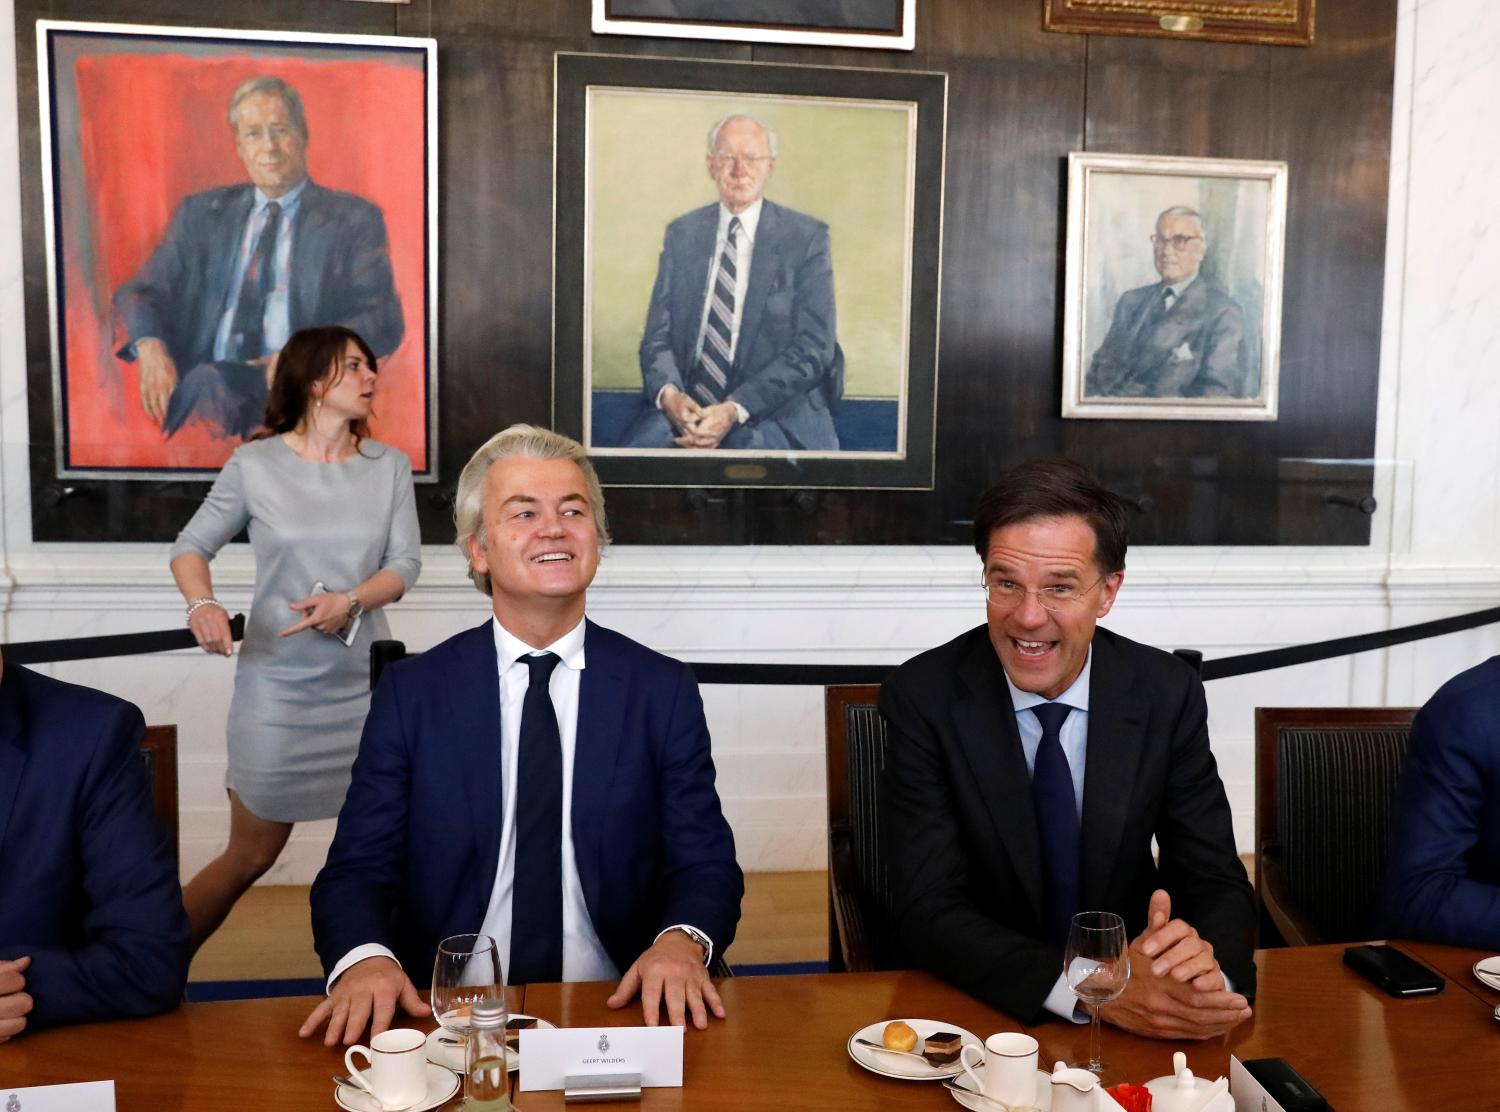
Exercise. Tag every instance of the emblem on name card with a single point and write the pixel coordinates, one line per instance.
(13, 1104)
(603, 1044)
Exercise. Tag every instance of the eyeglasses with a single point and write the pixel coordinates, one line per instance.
(1006, 594)
(749, 161)
(1176, 243)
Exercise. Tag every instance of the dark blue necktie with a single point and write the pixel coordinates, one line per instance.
(1056, 820)
(247, 339)
(536, 919)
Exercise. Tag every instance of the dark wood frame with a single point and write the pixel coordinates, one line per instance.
(849, 948)
(159, 748)
(912, 465)
(1271, 892)
(1270, 22)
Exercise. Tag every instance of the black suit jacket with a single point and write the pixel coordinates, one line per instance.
(340, 273)
(961, 834)
(788, 366)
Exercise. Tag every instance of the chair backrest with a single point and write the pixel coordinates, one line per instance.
(859, 887)
(1325, 781)
(159, 751)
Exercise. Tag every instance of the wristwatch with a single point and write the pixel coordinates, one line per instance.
(699, 937)
(356, 608)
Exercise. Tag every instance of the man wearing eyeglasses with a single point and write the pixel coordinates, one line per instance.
(740, 349)
(1031, 763)
(1181, 337)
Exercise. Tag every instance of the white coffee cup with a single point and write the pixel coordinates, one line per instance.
(397, 1076)
(1009, 1068)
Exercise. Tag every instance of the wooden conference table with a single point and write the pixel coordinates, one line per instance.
(784, 1044)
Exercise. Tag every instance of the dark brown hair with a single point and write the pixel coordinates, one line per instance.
(1054, 488)
(311, 356)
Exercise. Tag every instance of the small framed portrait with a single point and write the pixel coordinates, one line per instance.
(210, 192)
(877, 24)
(1271, 22)
(747, 271)
(1173, 300)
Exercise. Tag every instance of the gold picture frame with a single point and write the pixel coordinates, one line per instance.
(1269, 22)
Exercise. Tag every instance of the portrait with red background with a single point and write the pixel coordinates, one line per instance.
(135, 120)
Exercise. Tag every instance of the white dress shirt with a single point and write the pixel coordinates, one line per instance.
(584, 956)
(276, 324)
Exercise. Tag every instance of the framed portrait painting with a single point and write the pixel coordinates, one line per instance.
(747, 271)
(877, 24)
(1174, 277)
(1272, 22)
(210, 192)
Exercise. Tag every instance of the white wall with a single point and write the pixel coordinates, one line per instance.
(1435, 551)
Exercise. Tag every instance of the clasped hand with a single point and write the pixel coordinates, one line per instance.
(326, 613)
(1176, 988)
(699, 426)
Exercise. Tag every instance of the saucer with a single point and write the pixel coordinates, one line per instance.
(972, 1099)
(452, 1057)
(441, 1084)
(1487, 970)
(908, 1069)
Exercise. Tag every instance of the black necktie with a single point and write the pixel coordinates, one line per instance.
(247, 332)
(536, 919)
(711, 383)
(1056, 820)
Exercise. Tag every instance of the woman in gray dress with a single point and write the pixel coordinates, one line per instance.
(333, 524)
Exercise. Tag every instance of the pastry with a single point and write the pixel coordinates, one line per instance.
(942, 1048)
(513, 1028)
(899, 1036)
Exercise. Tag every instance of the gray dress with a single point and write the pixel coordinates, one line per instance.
(300, 701)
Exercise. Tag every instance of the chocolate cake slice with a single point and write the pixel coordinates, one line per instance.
(941, 1049)
(513, 1027)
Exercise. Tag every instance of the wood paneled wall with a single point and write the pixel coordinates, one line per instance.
(1019, 101)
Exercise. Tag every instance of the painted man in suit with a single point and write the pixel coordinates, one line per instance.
(91, 919)
(539, 779)
(740, 349)
(1031, 762)
(1182, 337)
(1444, 878)
(242, 267)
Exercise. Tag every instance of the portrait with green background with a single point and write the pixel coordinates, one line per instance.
(847, 163)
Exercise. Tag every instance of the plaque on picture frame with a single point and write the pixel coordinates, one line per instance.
(1173, 288)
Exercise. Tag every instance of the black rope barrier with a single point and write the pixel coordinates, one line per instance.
(114, 644)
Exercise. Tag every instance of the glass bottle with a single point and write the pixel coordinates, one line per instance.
(486, 1073)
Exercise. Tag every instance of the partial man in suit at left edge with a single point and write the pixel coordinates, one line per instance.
(91, 918)
(242, 267)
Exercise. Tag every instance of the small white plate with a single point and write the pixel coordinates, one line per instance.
(452, 1057)
(441, 1084)
(907, 1069)
(1487, 970)
(970, 1097)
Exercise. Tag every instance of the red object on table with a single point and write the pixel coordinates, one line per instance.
(1132, 1098)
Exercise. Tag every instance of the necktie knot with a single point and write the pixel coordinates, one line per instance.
(541, 668)
(273, 208)
(734, 229)
(1052, 716)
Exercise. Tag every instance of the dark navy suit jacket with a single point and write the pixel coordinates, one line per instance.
(1444, 878)
(418, 842)
(961, 832)
(340, 273)
(788, 366)
(1196, 349)
(88, 884)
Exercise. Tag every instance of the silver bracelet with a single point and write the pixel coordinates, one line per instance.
(198, 603)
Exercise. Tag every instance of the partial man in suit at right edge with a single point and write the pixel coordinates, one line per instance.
(1033, 759)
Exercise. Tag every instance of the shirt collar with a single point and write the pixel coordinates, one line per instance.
(749, 219)
(1076, 696)
(569, 647)
(287, 201)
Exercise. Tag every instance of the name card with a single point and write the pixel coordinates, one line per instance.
(89, 1096)
(548, 1057)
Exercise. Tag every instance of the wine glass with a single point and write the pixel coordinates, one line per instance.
(1097, 966)
(465, 971)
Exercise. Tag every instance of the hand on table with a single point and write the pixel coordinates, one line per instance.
(326, 613)
(368, 991)
(15, 1002)
(671, 970)
(210, 626)
(1176, 988)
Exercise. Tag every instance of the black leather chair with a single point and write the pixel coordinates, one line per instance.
(159, 752)
(859, 914)
(1325, 780)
